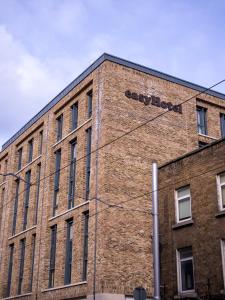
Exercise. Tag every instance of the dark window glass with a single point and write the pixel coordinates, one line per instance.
(57, 178)
(26, 198)
(222, 125)
(202, 144)
(37, 192)
(69, 252)
(74, 116)
(2, 205)
(52, 256)
(201, 119)
(186, 269)
(20, 152)
(59, 121)
(32, 260)
(85, 250)
(21, 269)
(10, 268)
(15, 207)
(30, 150)
(72, 177)
(40, 142)
(5, 168)
(88, 162)
(89, 99)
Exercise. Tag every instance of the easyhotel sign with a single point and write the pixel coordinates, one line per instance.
(153, 100)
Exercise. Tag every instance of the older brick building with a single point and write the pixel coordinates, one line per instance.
(192, 224)
(89, 147)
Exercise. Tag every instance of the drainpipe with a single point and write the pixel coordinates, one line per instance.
(155, 215)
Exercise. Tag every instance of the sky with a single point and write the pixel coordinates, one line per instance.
(45, 44)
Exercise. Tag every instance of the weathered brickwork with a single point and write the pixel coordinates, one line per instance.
(206, 229)
(120, 172)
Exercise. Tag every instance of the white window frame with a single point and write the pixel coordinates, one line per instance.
(222, 242)
(220, 200)
(177, 204)
(179, 279)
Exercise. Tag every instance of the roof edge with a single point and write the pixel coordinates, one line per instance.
(90, 69)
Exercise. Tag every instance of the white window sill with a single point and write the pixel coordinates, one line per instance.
(183, 224)
(64, 286)
(208, 136)
(188, 294)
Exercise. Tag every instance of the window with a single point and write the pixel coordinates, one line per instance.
(21, 269)
(26, 198)
(221, 190)
(85, 250)
(222, 124)
(37, 192)
(72, 177)
(40, 142)
(2, 204)
(15, 207)
(10, 268)
(52, 256)
(201, 119)
(57, 177)
(20, 153)
(30, 150)
(89, 103)
(183, 204)
(69, 252)
(5, 168)
(88, 162)
(59, 122)
(185, 270)
(32, 260)
(74, 116)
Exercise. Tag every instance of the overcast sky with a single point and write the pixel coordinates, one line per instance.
(45, 44)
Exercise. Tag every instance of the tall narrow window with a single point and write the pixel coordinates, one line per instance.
(10, 268)
(5, 168)
(32, 259)
(26, 198)
(37, 192)
(69, 252)
(20, 153)
(52, 257)
(89, 104)
(202, 120)
(222, 125)
(88, 162)
(15, 207)
(85, 250)
(74, 116)
(2, 205)
(30, 150)
(57, 178)
(59, 129)
(72, 177)
(183, 204)
(221, 190)
(40, 142)
(185, 270)
(21, 269)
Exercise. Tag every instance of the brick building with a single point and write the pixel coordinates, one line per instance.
(64, 233)
(192, 224)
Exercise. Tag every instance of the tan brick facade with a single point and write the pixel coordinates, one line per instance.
(120, 171)
(204, 232)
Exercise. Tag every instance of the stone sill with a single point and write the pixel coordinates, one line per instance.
(63, 286)
(28, 164)
(17, 296)
(208, 136)
(220, 214)
(182, 224)
(21, 232)
(186, 295)
(76, 129)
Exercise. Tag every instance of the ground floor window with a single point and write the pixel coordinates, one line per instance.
(185, 270)
(223, 258)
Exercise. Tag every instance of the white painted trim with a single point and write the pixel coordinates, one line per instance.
(66, 136)
(28, 164)
(177, 206)
(69, 210)
(219, 194)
